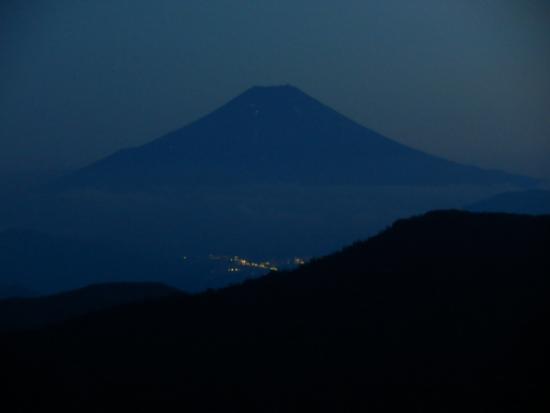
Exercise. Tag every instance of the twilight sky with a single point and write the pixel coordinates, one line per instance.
(465, 79)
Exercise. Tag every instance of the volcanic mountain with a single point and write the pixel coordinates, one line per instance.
(277, 135)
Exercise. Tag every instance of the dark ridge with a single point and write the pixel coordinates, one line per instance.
(534, 202)
(443, 312)
(38, 312)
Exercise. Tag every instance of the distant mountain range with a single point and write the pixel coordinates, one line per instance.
(443, 312)
(37, 312)
(518, 202)
(277, 135)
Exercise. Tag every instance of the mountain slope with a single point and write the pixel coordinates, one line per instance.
(277, 135)
(518, 202)
(443, 312)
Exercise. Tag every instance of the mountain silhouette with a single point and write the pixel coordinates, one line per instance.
(442, 312)
(273, 135)
(535, 202)
(36, 312)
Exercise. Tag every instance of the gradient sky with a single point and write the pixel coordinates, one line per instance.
(465, 79)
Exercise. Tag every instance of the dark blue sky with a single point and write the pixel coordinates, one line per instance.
(465, 79)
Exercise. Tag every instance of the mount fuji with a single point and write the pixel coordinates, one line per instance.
(277, 135)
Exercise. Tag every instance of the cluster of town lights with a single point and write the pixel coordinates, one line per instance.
(237, 263)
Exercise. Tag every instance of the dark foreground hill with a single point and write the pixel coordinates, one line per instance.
(276, 135)
(36, 312)
(445, 312)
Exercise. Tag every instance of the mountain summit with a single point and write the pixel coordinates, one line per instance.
(277, 135)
